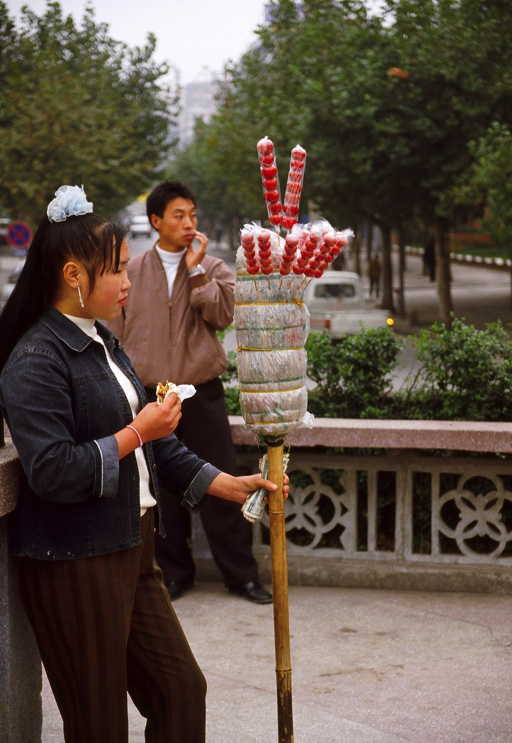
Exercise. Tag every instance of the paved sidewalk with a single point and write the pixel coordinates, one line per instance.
(368, 667)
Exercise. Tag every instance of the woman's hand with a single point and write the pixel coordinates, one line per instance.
(156, 421)
(238, 489)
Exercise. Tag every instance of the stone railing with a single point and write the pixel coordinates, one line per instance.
(397, 519)
(20, 668)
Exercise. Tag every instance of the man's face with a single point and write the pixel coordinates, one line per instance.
(177, 227)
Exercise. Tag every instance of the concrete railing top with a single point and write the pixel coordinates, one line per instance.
(393, 434)
(336, 432)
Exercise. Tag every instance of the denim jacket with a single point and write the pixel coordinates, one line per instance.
(63, 405)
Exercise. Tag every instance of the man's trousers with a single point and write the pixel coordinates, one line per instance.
(204, 428)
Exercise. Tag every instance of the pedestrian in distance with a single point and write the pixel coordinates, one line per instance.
(180, 298)
(429, 257)
(92, 452)
(374, 271)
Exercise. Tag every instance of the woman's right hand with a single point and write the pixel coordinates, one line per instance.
(156, 421)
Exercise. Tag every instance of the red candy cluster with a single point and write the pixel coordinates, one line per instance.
(257, 250)
(294, 187)
(270, 180)
(310, 251)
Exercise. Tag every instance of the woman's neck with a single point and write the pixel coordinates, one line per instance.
(71, 306)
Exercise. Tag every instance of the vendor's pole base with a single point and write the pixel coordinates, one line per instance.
(280, 591)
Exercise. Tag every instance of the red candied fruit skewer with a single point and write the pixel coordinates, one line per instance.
(269, 180)
(294, 186)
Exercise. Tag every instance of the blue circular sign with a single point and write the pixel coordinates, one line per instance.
(19, 234)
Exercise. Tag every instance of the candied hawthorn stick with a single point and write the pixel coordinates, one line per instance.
(294, 186)
(249, 245)
(270, 180)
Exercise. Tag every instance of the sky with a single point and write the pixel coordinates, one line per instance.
(192, 34)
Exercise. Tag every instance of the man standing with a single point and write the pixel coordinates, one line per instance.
(179, 298)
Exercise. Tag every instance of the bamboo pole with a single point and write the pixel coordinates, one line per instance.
(280, 592)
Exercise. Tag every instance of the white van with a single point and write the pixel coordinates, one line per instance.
(336, 304)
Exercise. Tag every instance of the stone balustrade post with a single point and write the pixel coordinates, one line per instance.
(20, 665)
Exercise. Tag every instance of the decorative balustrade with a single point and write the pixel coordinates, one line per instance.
(418, 518)
(435, 509)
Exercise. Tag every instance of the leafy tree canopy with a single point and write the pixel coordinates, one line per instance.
(386, 106)
(77, 107)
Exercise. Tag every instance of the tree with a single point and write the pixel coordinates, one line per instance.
(489, 184)
(77, 107)
(457, 55)
(386, 108)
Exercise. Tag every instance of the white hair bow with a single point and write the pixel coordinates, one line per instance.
(69, 201)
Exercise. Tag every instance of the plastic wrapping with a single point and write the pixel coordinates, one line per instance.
(254, 507)
(272, 322)
(293, 190)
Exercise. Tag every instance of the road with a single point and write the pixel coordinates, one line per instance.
(481, 295)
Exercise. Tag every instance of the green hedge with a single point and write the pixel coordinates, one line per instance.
(465, 374)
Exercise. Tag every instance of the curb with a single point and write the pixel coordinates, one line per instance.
(476, 260)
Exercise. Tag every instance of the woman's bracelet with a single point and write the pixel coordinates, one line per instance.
(132, 428)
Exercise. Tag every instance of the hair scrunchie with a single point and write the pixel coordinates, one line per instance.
(69, 201)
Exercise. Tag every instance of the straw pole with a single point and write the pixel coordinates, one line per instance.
(280, 591)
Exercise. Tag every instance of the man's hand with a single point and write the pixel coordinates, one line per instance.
(239, 488)
(194, 256)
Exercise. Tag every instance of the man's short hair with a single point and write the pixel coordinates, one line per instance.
(165, 192)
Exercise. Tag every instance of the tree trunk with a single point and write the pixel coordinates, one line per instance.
(233, 234)
(356, 248)
(387, 270)
(401, 272)
(443, 275)
(369, 240)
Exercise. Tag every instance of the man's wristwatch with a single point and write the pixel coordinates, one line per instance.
(196, 271)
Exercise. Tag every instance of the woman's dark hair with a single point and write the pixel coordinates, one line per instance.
(165, 192)
(93, 241)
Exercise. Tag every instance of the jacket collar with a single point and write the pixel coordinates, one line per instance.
(71, 335)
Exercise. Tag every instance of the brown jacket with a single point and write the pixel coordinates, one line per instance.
(174, 338)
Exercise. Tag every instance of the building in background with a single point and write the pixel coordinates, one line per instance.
(197, 101)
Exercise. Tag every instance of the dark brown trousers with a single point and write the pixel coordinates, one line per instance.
(105, 626)
(204, 428)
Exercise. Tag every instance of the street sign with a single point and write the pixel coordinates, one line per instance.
(19, 235)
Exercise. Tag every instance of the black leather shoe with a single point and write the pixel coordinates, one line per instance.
(252, 591)
(177, 588)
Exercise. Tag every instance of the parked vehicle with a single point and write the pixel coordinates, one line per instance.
(140, 227)
(4, 224)
(337, 304)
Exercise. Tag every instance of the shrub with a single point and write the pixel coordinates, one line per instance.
(231, 390)
(465, 374)
(352, 375)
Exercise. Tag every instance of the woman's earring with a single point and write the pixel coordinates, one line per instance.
(80, 298)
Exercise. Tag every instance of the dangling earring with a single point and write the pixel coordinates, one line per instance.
(80, 298)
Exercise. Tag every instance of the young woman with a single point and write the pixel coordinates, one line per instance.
(91, 452)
